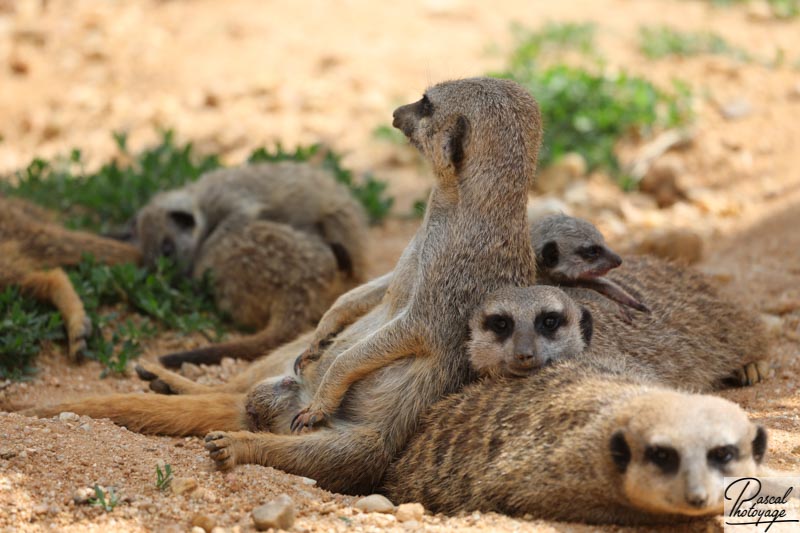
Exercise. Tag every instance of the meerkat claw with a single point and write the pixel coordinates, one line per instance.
(306, 419)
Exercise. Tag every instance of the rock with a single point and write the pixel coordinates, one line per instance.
(407, 512)
(83, 495)
(277, 514)
(374, 503)
(681, 245)
(197, 529)
(183, 485)
(662, 181)
(86, 426)
(67, 416)
(7, 454)
(561, 173)
(735, 109)
(191, 371)
(205, 523)
(308, 481)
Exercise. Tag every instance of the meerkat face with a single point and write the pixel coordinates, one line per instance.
(169, 226)
(675, 449)
(466, 123)
(571, 249)
(519, 330)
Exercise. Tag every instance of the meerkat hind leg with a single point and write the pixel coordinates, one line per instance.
(752, 373)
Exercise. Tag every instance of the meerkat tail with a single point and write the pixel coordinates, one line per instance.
(157, 414)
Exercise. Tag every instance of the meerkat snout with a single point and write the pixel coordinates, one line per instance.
(674, 454)
(520, 330)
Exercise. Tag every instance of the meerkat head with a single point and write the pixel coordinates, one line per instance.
(482, 127)
(519, 330)
(571, 249)
(170, 226)
(673, 450)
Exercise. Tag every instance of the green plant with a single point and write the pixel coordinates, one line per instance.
(782, 9)
(660, 41)
(107, 504)
(550, 42)
(163, 478)
(387, 133)
(24, 325)
(588, 110)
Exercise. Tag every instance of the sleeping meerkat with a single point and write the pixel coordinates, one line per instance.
(571, 252)
(589, 443)
(517, 331)
(282, 240)
(33, 247)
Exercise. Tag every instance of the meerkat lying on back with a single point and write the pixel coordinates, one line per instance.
(33, 247)
(282, 240)
(598, 446)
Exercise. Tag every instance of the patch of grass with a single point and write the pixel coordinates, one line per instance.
(588, 110)
(550, 42)
(105, 500)
(656, 42)
(24, 325)
(385, 132)
(163, 477)
(782, 9)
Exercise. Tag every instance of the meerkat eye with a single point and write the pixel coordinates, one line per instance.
(552, 321)
(590, 253)
(722, 455)
(664, 457)
(548, 323)
(501, 325)
(425, 107)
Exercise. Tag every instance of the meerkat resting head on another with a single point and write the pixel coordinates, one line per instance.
(672, 451)
(170, 225)
(517, 331)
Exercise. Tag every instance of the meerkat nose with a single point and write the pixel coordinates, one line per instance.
(615, 259)
(697, 500)
(523, 357)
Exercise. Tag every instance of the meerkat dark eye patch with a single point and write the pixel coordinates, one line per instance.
(500, 325)
(620, 451)
(665, 458)
(587, 326)
(425, 108)
(759, 444)
(456, 142)
(590, 253)
(720, 456)
(547, 323)
(550, 256)
(182, 219)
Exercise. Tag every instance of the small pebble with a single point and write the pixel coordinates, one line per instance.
(203, 522)
(82, 495)
(374, 503)
(407, 512)
(183, 485)
(67, 416)
(278, 514)
(308, 481)
(736, 109)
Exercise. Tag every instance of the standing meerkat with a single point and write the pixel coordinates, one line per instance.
(599, 446)
(482, 137)
(282, 240)
(33, 247)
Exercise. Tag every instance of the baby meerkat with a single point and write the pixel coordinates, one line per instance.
(598, 446)
(570, 251)
(282, 240)
(519, 330)
(33, 247)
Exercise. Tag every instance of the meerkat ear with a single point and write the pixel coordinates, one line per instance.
(183, 219)
(456, 140)
(759, 444)
(587, 326)
(550, 255)
(620, 451)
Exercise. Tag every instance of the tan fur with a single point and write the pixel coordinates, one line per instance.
(482, 140)
(33, 247)
(282, 241)
(543, 446)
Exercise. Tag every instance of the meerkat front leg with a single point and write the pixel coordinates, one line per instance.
(393, 341)
(346, 309)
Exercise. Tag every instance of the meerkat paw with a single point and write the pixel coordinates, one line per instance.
(307, 418)
(78, 333)
(150, 372)
(753, 373)
(311, 354)
(222, 449)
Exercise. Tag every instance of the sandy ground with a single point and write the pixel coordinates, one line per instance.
(235, 75)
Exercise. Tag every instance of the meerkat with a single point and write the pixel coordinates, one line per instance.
(571, 252)
(519, 330)
(481, 137)
(282, 241)
(33, 247)
(599, 446)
